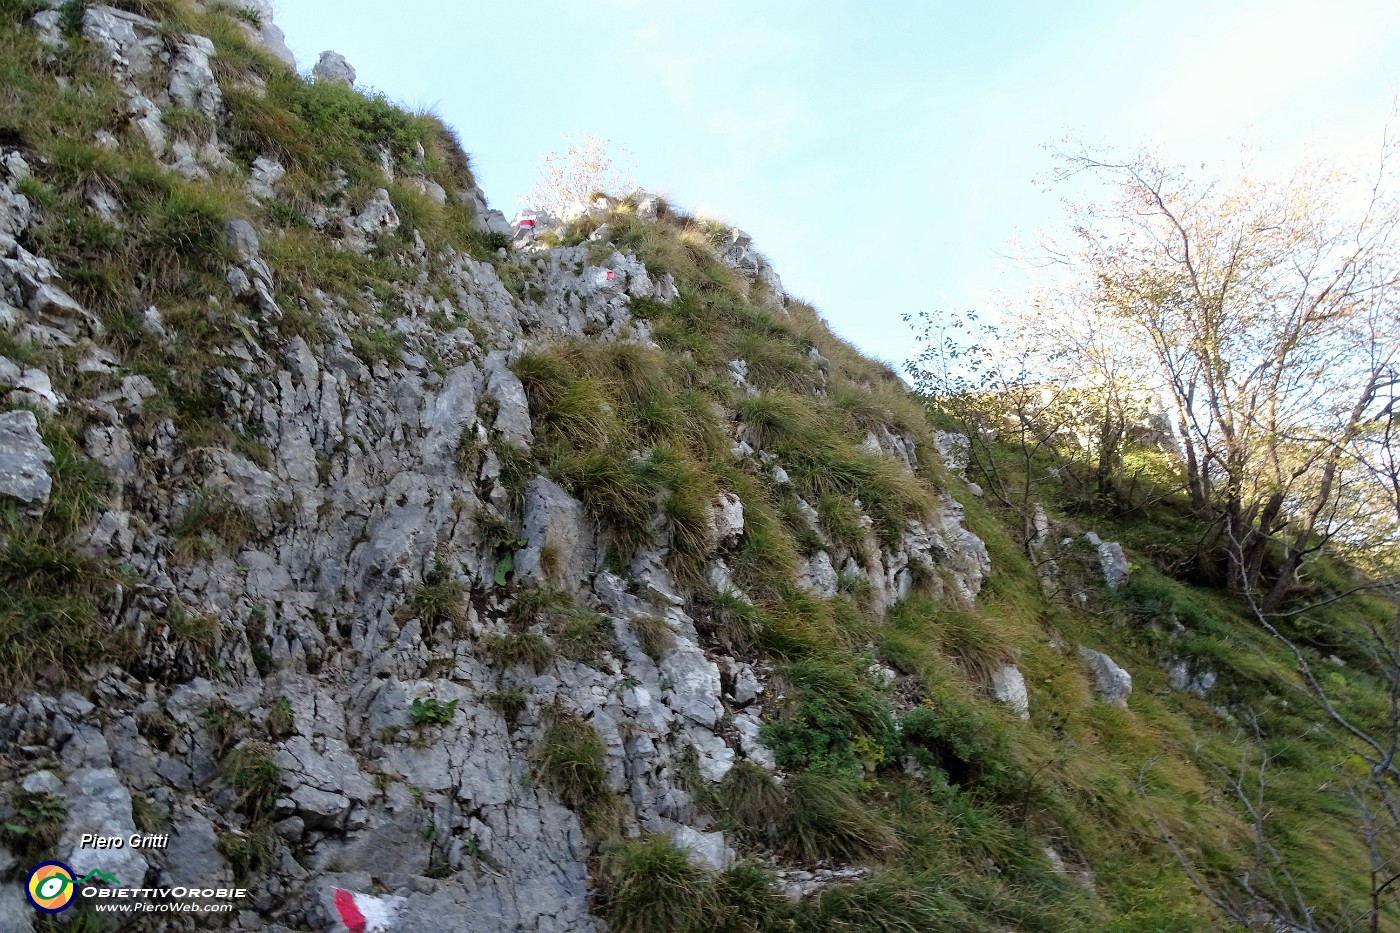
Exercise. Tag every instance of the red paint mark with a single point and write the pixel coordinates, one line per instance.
(527, 222)
(610, 275)
(349, 911)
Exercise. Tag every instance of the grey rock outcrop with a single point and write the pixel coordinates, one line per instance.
(1112, 684)
(332, 66)
(307, 582)
(1184, 678)
(266, 32)
(1009, 687)
(24, 459)
(558, 539)
(1112, 561)
(99, 803)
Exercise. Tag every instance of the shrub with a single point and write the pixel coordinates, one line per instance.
(841, 724)
(36, 825)
(970, 748)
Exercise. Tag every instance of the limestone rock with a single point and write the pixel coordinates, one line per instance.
(1112, 684)
(1009, 686)
(693, 683)
(1114, 564)
(512, 406)
(1183, 679)
(558, 538)
(819, 577)
(332, 66)
(30, 386)
(192, 83)
(952, 449)
(99, 803)
(265, 31)
(375, 218)
(263, 178)
(704, 850)
(24, 459)
(727, 519)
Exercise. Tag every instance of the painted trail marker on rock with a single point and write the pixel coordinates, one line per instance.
(362, 913)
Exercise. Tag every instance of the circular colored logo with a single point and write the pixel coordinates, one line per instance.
(50, 887)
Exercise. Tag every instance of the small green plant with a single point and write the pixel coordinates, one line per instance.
(211, 514)
(377, 345)
(196, 631)
(249, 853)
(37, 824)
(280, 721)
(432, 712)
(149, 816)
(584, 636)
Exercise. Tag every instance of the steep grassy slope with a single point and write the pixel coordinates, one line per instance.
(890, 754)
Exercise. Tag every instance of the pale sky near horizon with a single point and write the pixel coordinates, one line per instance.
(883, 156)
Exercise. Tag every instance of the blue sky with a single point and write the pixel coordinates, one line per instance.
(883, 155)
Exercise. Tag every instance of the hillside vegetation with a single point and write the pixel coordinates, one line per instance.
(886, 788)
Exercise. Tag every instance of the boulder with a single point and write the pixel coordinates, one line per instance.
(1114, 564)
(953, 449)
(265, 31)
(704, 850)
(1183, 679)
(1009, 687)
(24, 460)
(375, 218)
(693, 683)
(1112, 684)
(727, 518)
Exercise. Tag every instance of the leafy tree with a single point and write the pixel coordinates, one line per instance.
(1268, 313)
(590, 165)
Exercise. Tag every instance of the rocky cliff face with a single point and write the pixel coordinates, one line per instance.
(342, 552)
